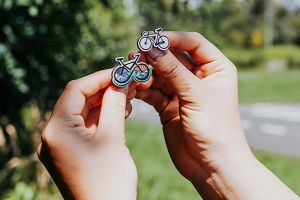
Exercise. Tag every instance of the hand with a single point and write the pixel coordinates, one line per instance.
(195, 91)
(83, 145)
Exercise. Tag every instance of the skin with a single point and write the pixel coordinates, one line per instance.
(195, 92)
(194, 89)
(83, 144)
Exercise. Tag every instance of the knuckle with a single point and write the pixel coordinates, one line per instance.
(47, 137)
(232, 67)
(196, 35)
(172, 70)
(71, 84)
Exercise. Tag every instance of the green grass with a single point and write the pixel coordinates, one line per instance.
(258, 57)
(158, 178)
(274, 87)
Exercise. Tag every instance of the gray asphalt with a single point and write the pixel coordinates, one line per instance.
(268, 127)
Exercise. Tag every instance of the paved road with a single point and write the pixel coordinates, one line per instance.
(269, 127)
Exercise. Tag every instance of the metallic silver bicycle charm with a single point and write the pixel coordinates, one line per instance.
(154, 38)
(123, 74)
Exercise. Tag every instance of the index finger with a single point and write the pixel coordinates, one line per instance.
(200, 49)
(74, 96)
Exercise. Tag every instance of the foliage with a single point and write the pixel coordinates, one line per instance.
(44, 44)
(288, 53)
(245, 58)
(271, 87)
(259, 57)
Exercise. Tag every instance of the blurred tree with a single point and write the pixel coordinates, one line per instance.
(294, 27)
(44, 44)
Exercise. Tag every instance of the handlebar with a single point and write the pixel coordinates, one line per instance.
(136, 56)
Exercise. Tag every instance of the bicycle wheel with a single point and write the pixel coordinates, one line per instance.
(163, 43)
(142, 73)
(144, 44)
(121, 76)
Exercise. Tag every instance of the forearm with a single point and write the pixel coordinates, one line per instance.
(98, 181)
(240, 176)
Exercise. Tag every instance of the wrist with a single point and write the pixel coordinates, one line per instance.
(219, 176)
(97, 181)
(110, 190)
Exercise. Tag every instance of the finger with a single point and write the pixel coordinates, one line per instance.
(162, 85)
(39, 150)
(131, 94)
(145, 85)
(200, 49)
(93, 118)
(132, 86)
(142, 58)
(172, 70)
(111, 120)
(157, 82)
(91, 103)
(155, 98)
(72, 100)
(184, 58)
(128, 109)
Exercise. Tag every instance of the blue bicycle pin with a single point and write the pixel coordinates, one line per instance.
(154, 38)
(123, 74)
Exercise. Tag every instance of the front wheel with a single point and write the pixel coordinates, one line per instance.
(163, 43)
(121, 76)
(144, 44)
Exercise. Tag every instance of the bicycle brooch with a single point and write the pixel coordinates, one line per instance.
(154, 38)
(123, 74)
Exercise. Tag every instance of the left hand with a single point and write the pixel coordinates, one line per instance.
(83, 144)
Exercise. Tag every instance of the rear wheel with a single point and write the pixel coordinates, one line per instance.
(142, 73)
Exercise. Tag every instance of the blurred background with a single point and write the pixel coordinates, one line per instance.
(44, 44)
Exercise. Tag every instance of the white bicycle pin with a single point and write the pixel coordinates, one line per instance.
(154, 38)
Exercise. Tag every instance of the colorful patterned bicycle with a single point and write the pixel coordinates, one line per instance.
(123, 74)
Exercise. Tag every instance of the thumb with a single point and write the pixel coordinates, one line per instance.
(172, 70)
(112, 115)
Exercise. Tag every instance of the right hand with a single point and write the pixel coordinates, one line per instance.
(195, 91)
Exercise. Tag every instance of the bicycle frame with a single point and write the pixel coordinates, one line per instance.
(153, 34)
(129, 64)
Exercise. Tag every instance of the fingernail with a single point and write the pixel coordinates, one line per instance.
(123, 89)
(155, 53)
